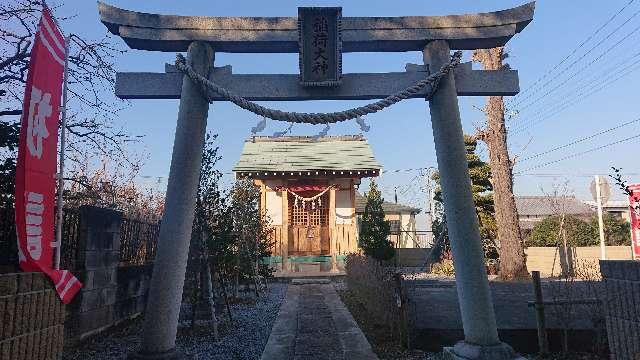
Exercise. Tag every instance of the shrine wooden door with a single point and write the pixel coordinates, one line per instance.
(309, 226)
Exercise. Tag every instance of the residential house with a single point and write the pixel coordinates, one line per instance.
(403, 223)
(533, 209)
(617, 208)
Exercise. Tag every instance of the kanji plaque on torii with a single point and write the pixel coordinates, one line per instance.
(320, 46)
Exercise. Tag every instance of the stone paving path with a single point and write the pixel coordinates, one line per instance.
(313, 323)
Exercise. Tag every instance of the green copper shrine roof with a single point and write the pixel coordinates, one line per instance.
(304, 153)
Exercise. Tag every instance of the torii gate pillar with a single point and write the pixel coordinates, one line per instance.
(478, 319)
(165, 292)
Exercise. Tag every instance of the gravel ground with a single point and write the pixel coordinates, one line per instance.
(420, 273)
(440, 356)
(245, 339)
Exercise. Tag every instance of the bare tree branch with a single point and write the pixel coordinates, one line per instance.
(91, 84)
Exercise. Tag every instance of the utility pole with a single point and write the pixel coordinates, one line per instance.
(430, 207)
(603, 248)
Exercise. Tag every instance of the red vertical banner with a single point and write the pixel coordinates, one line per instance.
(634, 210)
(37, 162)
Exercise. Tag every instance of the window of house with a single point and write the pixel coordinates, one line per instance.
(395, 226)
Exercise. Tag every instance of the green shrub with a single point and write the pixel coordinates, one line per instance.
(580, 232)
(547, 231)
(374, 229)
(444, 268)
(617, 231)
(373, 286)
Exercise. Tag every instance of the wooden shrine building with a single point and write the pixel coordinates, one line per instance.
(308, 188)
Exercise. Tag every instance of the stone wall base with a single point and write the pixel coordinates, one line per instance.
(31, 317)
(167, 355)
(466, 351)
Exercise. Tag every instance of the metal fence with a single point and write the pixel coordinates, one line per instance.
(621, 304)
(411, 238)
(138, 241)
(8, 242)
(70, 239)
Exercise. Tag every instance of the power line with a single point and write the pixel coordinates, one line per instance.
(575, 50)
(580, 96)
(410, 185)
(578, 48)
(407, 170)
(581, 140)
(593, 61)
(568, 174)
(579, 154)
(593, 79)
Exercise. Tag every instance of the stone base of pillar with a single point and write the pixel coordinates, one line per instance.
(466, 351)
(334, 264)
(172, 354)
(205, 314)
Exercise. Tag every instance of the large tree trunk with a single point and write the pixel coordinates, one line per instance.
(511, 250)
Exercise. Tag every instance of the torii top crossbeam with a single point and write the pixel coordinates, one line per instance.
(280, 34)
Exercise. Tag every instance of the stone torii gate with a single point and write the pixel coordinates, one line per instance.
(319, 35)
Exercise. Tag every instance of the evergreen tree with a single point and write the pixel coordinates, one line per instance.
(251, 231)
(228, 228)
(374, 229)
(480, 174)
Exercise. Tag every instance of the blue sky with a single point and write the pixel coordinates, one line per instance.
(401, 136)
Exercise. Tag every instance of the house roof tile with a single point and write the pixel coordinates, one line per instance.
(545, 206)
(387, 207)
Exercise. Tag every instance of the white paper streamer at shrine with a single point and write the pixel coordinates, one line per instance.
(311, 200)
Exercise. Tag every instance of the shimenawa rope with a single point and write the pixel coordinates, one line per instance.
(208, 86)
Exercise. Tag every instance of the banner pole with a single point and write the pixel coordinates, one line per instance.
(63, 131)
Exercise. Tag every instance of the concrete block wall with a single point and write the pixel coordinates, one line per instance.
(538, 258)
(542, 258)
(411, 257)
(111, 293)
(98, 256)
(31, 318)
(133, 287)
(622, 307)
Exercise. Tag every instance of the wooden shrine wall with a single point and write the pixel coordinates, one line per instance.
(289, 239)
(346, 241)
